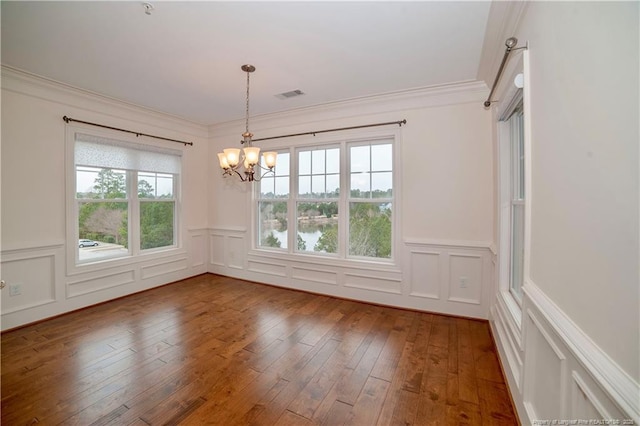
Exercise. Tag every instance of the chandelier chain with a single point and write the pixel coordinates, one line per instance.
(247, 109)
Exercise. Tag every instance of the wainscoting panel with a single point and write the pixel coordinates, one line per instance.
(216, 249)
(465, 278)
(91, 283)
(373, 283)
(198, 248)
(545, 371)
(451, 278)
(425, 268)
(584, 400)
(507, 331)
(33, 272)
(559, 373)
(163, 267)
(48, 289)
(235, 251)
(270, 268)
(315, 275)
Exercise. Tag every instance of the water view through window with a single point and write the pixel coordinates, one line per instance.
(306, 198)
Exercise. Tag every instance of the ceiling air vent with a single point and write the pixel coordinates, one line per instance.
(291, 94)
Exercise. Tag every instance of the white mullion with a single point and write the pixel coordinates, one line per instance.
(345, 198)
(292, 212)
(133, 222)
(176, 210)
(370, 172)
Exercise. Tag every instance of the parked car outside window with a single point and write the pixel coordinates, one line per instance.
(87, 243)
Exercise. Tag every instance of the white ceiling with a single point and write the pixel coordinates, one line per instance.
(184, 59)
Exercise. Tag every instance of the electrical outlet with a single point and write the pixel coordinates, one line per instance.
(15, 289)
(463, 282)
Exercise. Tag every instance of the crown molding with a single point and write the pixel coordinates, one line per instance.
(503, 22)
(23, 82)
(424, 97)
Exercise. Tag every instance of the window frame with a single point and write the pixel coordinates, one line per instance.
(341, 257)
(134, 253)
(350, 199)
(515, 98)
(517, 198)
(296, 198)
(259, 199)
(141, 200)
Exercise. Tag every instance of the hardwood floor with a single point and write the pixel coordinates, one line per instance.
(217, 350)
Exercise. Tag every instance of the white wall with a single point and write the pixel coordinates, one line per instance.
(445, 207)
(584, 223)
(33, 200)
(576, 352)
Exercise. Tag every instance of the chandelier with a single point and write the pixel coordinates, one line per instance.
(246, 165)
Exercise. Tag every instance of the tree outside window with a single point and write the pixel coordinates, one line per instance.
(315, 208)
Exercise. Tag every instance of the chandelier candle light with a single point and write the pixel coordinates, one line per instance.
(230, 159)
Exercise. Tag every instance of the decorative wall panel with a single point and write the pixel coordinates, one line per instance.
(270, 268)
(30, 278)
(323, 276)
(425, 274)
(93, 282)
(163, 267)
(429, 279)
(216, 249)
(465, 278)
(566, 377)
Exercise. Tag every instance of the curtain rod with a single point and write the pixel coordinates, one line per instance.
(399, 123)
(511, 43)
(68, 119)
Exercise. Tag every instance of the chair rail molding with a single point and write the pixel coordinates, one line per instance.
(618, 385)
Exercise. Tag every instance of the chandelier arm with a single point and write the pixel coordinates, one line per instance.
(263, 175)
(238, 173)
(268, 169)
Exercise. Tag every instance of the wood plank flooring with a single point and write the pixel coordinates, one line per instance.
(221, 351)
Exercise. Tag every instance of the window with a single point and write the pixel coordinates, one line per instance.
(512, 159)
(516, 128)
(273, 199)
(317, 200)
(125, 198)
(370, 200)
(351, 223)
(157, 210)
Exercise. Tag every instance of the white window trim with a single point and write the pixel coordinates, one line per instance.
(253, 204)
(73, 266)
(294, 198)
(512, 303)
(348, 199)
(348, 137)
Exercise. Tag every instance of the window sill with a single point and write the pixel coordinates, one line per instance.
(381, 266)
